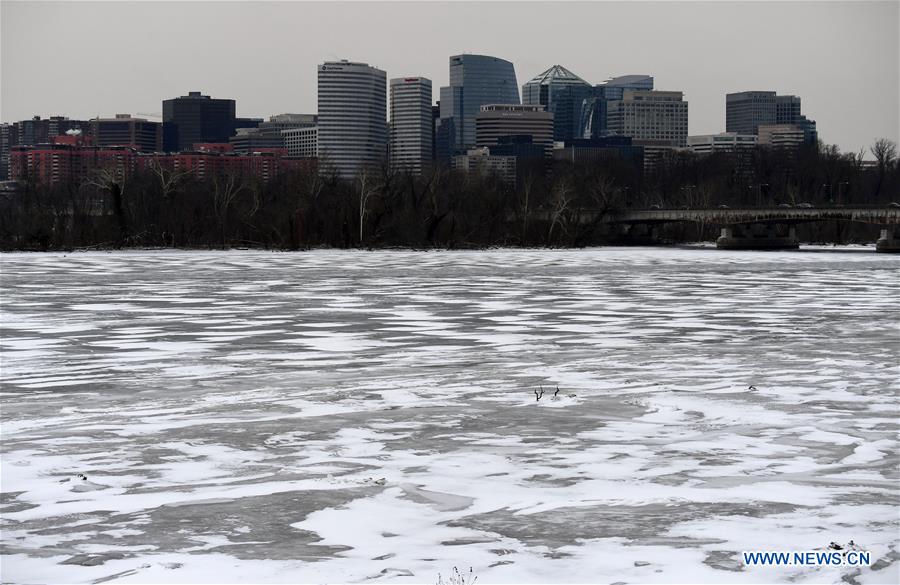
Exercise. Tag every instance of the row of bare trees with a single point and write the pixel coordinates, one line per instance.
(558, 206)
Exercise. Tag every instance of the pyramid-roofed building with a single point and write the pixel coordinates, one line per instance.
(561, 92)
(556, 74)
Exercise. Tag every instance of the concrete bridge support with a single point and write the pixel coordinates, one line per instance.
(889, 240)
(758, 237)
(638, 234)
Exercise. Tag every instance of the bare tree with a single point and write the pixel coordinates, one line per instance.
(527, 185)
(885, 153)
(226, 187)
(168, 178)
(560, 204)
(367, 187)
(113, 179)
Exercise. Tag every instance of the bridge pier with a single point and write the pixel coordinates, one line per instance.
(638, 234)
(889, 241)
(758, 237)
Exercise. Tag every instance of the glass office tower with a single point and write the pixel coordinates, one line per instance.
(594, 108)
(475, 80)
(561, 92)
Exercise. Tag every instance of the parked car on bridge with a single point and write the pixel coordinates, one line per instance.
(893, 204)
(804, 205)
(724, 207)
(784, 205)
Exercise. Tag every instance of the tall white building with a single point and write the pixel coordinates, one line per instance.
(352, 130)
(650, 115)
(412, 124)
(302, 141)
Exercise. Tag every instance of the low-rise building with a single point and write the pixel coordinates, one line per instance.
(481, 161)
(597, 151)
(721, 142)
(781, 135)
(656, 152)
(248, 140)
(302, 141)
(73, 158)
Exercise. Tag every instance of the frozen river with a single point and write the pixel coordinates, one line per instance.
(348, 416)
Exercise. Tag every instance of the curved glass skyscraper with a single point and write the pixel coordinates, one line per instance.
(475, 80)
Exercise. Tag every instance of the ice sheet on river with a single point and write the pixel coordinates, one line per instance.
(349, 416)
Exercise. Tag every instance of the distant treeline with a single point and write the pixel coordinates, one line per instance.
(445, 208)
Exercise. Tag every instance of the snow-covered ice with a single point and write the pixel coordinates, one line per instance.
(349, 416)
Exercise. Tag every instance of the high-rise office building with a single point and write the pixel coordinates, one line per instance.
(475, 80)
(8, 138)
(787, 109)
(594, 111)
(650, 115)
(616, 86)
(43, 131)
(561, 92)
(746, 111)
(123, 130)
(352, 130)
(196, 118)
(497, 121)
(412, 124)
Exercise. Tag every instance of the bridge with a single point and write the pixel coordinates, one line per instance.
(760, 227)
(780, 215)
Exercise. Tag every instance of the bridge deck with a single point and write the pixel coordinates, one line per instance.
(728, 216)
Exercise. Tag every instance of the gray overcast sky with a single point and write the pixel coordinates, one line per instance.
(83, 59)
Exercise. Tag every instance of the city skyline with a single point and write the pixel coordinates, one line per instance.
(687, 46)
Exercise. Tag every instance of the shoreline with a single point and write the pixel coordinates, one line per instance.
(682, 245)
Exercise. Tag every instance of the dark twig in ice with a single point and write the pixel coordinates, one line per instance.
(457, 578)
(557, 391)
(541, 393)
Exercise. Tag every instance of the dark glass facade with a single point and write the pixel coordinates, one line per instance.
(43, 131)
(475, 80)
(196, 118)
(561, 92)
(123, 130)
(593, 108)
